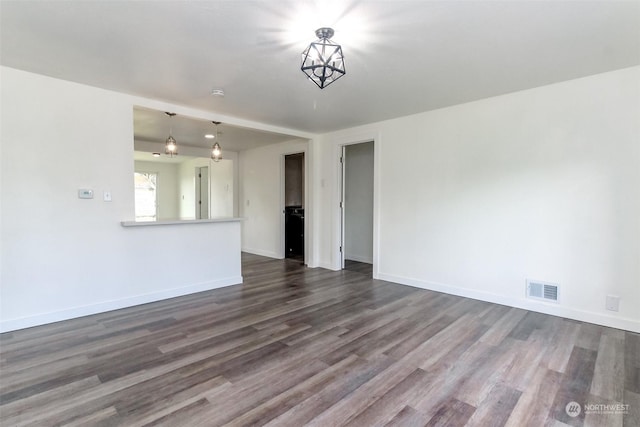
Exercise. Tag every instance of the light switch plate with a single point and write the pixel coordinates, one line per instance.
(107, 196)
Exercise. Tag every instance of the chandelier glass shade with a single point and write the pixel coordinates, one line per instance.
(323, 61)
(216, 150)
(170, 145)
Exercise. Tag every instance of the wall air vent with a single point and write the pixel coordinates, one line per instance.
(542, 290)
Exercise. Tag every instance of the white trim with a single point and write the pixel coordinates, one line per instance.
(343, 202)
(328, 266)
(261, 252)
(308, 207)
(282, 250)
(307, 211)
(87, 310)
(525, 304)
(350, 139)
(358, 258)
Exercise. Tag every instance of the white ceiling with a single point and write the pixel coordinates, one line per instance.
(402, 57)
(154, 126)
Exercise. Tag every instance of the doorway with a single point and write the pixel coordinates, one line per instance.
(202, 192)
(357, 207)
(294, 172)
(221, 189)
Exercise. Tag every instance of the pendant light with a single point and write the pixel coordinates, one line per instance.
(216, 150)
(322, 60)
(170, 146)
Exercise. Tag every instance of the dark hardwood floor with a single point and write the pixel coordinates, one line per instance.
(295, 346)
(359, 267)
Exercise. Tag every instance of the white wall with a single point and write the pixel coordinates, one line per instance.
(541, 184)
(262, 197)
(63, 257)
(221, 188)
(358, 161)
(187, 179)
(228, 190)
(167, 185)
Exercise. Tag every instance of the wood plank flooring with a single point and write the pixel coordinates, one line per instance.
(294, 346)
(359, 267)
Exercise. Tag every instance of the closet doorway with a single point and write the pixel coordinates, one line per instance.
(357, 207)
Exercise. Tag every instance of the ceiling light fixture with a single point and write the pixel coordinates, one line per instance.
(216, 150)
(323, 61)
(217, 92)
(155, 154)
(209, 136)
(170, 146)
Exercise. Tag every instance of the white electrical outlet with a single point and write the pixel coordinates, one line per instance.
(613, 303)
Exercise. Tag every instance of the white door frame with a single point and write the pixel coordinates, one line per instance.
(340, 143)
(305, 151)
(343, 184)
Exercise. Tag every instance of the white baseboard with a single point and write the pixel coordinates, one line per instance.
(525, 304)
(260, 252)
(366, 260)
(328, 266)
(101, 307)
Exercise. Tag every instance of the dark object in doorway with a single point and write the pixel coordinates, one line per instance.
(294, 231)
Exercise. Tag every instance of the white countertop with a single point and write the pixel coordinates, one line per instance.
(177, 222)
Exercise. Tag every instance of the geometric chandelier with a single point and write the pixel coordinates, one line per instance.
(323, 61)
